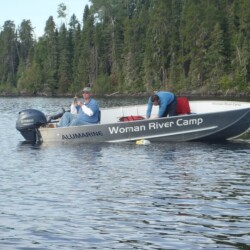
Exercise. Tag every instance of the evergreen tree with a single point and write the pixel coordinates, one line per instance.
(76, 37)
(215, 60)
(25, 49)
(242, 60)
(157, 56)
(26, 40)
(82, 74)
(73, 55)
(64, 61)
(135, 28)
(8, 54)
(50, 65)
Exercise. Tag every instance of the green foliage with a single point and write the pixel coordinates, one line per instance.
(8, 54)
(30, 80)
(103, 85)
(225, 83)
(132, 46)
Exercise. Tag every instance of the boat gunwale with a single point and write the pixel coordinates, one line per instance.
(151, 119)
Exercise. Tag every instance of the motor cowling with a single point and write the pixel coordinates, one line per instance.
(29, 120)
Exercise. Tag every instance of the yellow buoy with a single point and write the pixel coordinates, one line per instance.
(142, 142)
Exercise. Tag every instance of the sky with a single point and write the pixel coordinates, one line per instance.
(38, 12)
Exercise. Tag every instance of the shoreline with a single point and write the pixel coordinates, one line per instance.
(116, 95)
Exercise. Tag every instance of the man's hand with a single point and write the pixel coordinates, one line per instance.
(79, 103)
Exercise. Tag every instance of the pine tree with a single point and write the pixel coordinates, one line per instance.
(157, 56)
(8, 54)
(64, 61)
(50, 65)
(82, 73)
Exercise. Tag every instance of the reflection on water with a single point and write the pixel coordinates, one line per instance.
(121, 196)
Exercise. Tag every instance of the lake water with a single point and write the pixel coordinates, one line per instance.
(120, 196)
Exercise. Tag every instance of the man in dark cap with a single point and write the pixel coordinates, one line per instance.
(82, 113)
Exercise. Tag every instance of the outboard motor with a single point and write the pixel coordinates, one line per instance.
(28, 122)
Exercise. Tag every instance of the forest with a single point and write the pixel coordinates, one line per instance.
(129, 47)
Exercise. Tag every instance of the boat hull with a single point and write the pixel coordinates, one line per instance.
(194, 127)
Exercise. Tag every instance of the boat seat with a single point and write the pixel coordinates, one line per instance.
(183, 107)
(131, 118)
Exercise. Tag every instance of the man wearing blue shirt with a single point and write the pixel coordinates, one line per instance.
(81, 113)
(167, 104)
